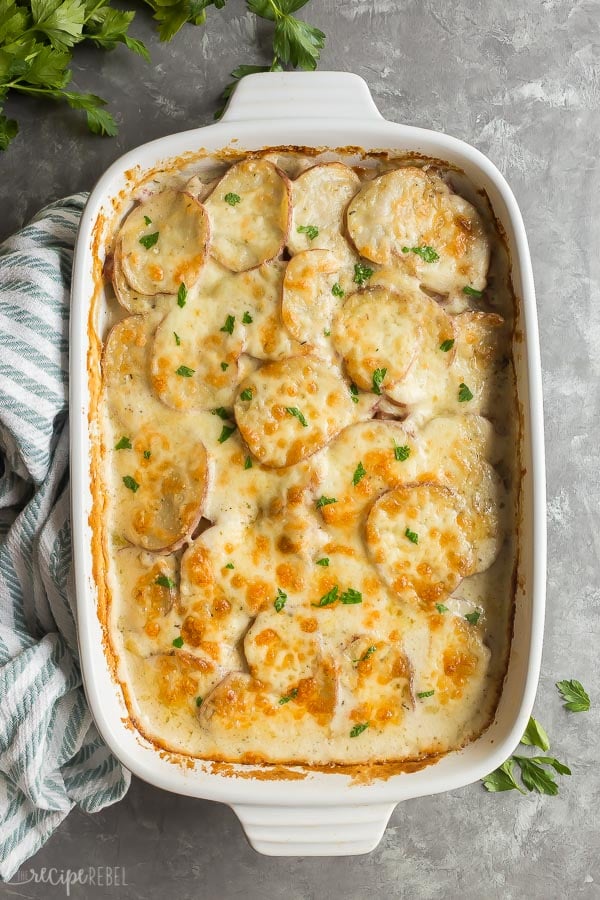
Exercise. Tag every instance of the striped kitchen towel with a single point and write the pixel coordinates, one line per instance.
(51, 756)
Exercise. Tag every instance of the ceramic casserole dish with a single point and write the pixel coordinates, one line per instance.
(291, 810)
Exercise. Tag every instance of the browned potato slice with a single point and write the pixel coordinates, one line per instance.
(308, 301)
(288, 410)
(160, 486)
(236, 703)
(374, 330)
(481, 349)
(178, 678)
(320, 196)
(379, 675)
(126, 370)
(160, 254)
(419, 538)
(279, 652)
(408, 210)
(249, 212)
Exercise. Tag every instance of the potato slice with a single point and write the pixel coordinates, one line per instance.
(126, 370)
(170, 249)
(408, 210)
(308, 300)
(160, 487)
(280, 652)
(177, 678)
(250, 212)
(481, 350)
(237, 703)
(375, 330)
(288, 410)
(418, 537)
(320, 196)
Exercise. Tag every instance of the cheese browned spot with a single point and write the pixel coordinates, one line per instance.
(407, 209)
(285, 396)
(251, 226)
(178, 237)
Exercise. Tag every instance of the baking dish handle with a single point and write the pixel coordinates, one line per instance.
(301, 95)
(314, 831)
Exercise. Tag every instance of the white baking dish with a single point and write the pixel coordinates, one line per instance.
(322, 813)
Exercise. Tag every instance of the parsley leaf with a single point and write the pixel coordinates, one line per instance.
(324, 561)
(178, 642)
(337, 290)
(325, 501)
(226, 433)
(368, 652)
(294, 42)
(441, 608)
(328, 598)
(351, 597)
(199, 701)
(359, 474)
(147, 220)
(576, 697)
(165, 581)
(147, 454)
(185, 371)
(222, 413)
(464, 394)
(401, 453)
(354, 393)
(535, 778)
(426, 253)
(535, 735)
(123, 444)
(246, 394)
(230, 566)
(149, 240)
(280, 600)
(248, 462)
(228, 326)
(247, 318)
(224, 366)
(361, 274)
(358, 729)
(291, 696)
(378, 376)
(422, 695)
(130, 483)
(181, 295)
(412, 536)
(473, 617)
(503, 778)
(232, 199)
(177, 339)
(472, 292)
(294, 411)
(311, 231)
(447, 345)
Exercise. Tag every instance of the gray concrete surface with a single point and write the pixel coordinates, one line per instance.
(521, 81)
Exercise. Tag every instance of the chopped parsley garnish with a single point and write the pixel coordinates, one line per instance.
(368, 652)
(473, 618)
(471, 292)
(280, 599)
(464, 394)
(426, 253)
(291, 696)
(222, 413)
(147, 454)
(359, 474)
(149, 240)
(123, 444)
(294, 411)
(324, 561)
(165, 581)
(423, 694)
(177, 339)
(378, 376)
(361, 274)
(230, 566)
(232, 199)
(199, 701)
(328, 598)
(228, 326)
(224, 366)
(181, 295)
(326, 332)
(147, 220)
(311, 231)
(130, 483)
(246, 394)
(226, 433)
(412, 536)
(358, 729)
(185, 371)
(441, 608)
(354, 393)
(337, 290)
(178, 642)
(576, 697)
(350, 597)
(401, 453)
(248, 462)
(325, 501)
(447, 345)
(247, 318)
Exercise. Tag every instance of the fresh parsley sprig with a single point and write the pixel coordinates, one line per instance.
(536, 773)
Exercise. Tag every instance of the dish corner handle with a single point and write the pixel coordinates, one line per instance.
(314, 831)
(301, 95)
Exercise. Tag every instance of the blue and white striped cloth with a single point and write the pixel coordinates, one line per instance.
(51, 755)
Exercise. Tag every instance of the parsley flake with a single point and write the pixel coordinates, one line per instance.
(247, 318)
(248, 462)
(177, 339)
(412, 536)
(199, 701)
(326, 332)
(185, 371)
(280, 600)
(130, 483)
(224, 366)
(361, 274)
(401, 453)
(426, 253)
(232, 199)
(574, 694)
(473, 618)
(230, 566)
(181, 295)
(354, 393)
(147, 220)
(228, 326)
(464, 394)
(291, 696)
(123, 444)
(294, 411)
(472, 292)
(328, 598)
(368, 652)
(178, 642)
(378, 376)
(222, 413)
(324, 561)
(226, 433)
(447, 345)
(149, 240)
(358, 729)
(246, 394)
(337, 290)
(165, 581)
(311, 231)
(359, 474)
(325, 501)
(147, 454)
(350, 597)
(441, 608)
(423, 694)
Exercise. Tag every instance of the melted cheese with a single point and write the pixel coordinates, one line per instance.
(294, 545)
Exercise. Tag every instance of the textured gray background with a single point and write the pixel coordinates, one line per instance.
(521, 81)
